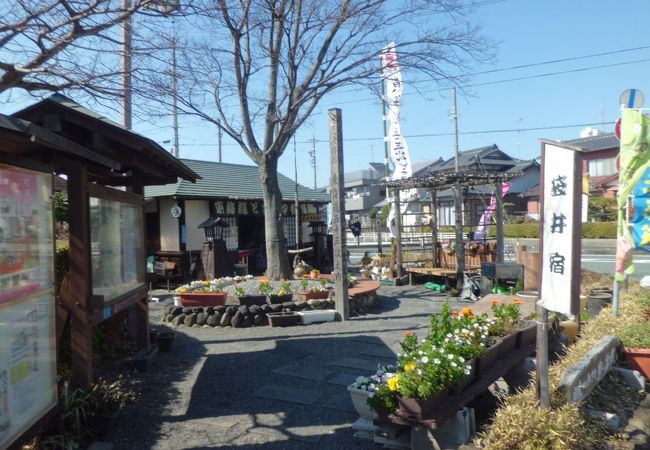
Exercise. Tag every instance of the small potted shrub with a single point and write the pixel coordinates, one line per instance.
(636, 346)
(316, 291)
(314, 274)
(247, 298)
(282, 295)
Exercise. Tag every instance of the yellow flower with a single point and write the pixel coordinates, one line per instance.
(393, 382)
(206, 283)
(410, 366)
(281, 292)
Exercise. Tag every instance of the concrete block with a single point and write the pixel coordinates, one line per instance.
(631, 377)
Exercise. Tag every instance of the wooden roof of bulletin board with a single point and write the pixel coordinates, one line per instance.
(111, 152)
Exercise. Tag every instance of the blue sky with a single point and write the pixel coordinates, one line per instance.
(527, 32)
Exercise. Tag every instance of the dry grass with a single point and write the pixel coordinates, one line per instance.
(520, 424)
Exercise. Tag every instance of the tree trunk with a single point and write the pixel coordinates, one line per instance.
(277, 258)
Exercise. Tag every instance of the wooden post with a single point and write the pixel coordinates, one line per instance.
(500, 240)
(338, 214)
(398, 234)
(80, 276)
(460, 245)
(434, 227)
(141, 318)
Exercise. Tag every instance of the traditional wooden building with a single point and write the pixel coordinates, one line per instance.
(233, 193)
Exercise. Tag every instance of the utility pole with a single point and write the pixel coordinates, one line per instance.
(296, 201)
(127, 89)
(460, 248)
(312, 156)
(220, 134)
(174, 96)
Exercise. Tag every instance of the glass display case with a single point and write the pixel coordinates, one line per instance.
(117, 252)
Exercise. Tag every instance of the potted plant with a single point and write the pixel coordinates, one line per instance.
(247, 298)
(635, 338)
(204, 293)
(314, 274)
(317, 291)
(282, 295)
(365, 388)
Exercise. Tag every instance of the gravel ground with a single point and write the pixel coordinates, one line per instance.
(262, 387)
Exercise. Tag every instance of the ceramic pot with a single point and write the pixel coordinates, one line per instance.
(360, 402)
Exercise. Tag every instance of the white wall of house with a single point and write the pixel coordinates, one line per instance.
(168, 226)
(196, 211)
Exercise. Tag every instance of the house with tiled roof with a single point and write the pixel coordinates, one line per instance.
(600, 155)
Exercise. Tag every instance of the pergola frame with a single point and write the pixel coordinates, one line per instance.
(450, 179)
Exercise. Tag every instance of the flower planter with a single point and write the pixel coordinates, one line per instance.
(314, 275)
(250, 300)
(639, 359)
(283, 319)
(527, 335)
(279, 299)
(486, 360)
(507, 344)
(360, 402)
(417, 408)
(165, 341)
(467, 379)
(143, 359)
(195, 299)
(314, 295)
(324, 315)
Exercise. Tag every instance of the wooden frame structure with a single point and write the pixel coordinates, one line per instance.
(58, 136)
(455, 180)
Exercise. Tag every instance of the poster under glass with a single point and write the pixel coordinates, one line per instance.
(27, 340)
(117, 247)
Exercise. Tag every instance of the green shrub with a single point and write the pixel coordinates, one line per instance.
(602, 209)
(590, 230)
(599, 230)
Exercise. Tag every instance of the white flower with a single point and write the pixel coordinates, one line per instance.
(420, 352)
(461, 359)
(425, 359)
(448, 335)
(471, 333)
(372, 386)
(476, 325)
(453, 364)
(436, 361)
(419, 371)
(464, 330)
(450, 356)
(467, 372)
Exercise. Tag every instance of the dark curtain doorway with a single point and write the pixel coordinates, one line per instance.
(251, 237)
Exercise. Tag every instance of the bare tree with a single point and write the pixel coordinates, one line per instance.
(54, 45)
(258, 68)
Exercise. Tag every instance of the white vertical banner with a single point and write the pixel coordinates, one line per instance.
(392, 77)
(560, 228)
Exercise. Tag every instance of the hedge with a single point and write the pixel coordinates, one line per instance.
(590, 230)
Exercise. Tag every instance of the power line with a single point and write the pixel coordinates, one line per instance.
(509, 80)
(415, 136)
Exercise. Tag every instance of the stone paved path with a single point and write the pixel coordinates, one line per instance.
(271, 388)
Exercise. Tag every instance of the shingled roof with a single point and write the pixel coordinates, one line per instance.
(595, 143)
(479, 158)
(235, 181)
